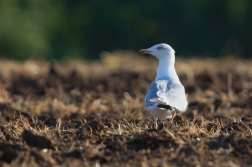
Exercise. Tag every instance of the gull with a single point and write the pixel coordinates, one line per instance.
(166, 94)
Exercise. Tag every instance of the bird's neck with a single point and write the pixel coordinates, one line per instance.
(166, 70)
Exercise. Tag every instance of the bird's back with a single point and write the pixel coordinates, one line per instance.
(166, 92)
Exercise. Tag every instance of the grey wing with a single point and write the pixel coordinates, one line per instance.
(165, 92)
(152, 93)
(173, 95)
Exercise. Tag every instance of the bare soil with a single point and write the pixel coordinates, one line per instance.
(78, 113)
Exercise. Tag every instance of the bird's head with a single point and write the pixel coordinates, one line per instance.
(160, 51)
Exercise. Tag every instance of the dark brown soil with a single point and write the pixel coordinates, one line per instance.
(77, 113)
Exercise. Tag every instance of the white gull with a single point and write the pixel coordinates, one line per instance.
(166, 94)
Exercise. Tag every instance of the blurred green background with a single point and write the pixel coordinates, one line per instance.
(54, 29)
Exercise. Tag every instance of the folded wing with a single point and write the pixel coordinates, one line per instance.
(165, 92)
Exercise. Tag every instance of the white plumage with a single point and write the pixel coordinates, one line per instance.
(166, 94)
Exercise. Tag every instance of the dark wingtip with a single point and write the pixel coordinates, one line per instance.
(167, 107)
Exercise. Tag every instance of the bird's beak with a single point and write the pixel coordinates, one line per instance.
(144, 51)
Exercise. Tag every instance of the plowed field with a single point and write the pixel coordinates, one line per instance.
(78, 113)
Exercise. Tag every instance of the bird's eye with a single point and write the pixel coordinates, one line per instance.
(160, 47)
